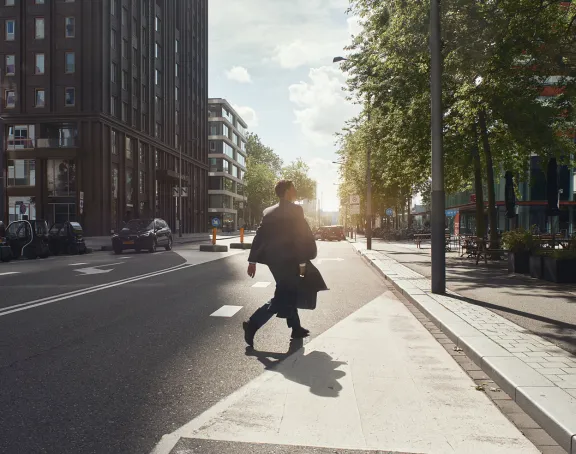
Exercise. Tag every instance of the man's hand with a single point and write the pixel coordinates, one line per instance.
(302, 269)
(252, 270)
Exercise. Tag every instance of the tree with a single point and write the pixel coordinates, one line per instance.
(297, 172)
(259, 185)
(262, 154)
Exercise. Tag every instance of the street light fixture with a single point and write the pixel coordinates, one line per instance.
(368, 181)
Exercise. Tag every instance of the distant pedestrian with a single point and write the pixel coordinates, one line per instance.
(286, 244)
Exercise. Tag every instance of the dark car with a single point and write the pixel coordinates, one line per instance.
(66, 238)
(143, 234)
(28, 238)
(5, 251)
(332, 232)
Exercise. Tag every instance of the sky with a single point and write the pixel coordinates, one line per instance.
(272, 60)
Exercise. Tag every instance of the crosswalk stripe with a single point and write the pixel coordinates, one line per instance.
(226, 311)
(9, 273)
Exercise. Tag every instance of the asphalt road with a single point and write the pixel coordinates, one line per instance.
(135, 353)
(546, 309)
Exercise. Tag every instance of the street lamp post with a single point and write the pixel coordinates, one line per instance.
(368, 182)
(180, 196)
(438, 198)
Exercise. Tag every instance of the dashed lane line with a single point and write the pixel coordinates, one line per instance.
(226, 311)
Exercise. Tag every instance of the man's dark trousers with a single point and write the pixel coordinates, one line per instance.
(286, 294)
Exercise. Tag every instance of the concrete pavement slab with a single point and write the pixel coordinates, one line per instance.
(377, 380)
(487, 337)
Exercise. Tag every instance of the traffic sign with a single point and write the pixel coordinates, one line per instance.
(216, 222)
(81, 202)
(22, 208)
(389, 212)
(354, 209)
(354, 200)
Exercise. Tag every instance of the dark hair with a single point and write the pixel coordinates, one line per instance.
(282, 186)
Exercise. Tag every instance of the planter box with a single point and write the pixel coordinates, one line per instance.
(518, 262)
(537, 266)
(561, 271)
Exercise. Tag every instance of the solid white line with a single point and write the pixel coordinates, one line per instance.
(226, 311)
(64, 296)
(9, 273)
(261, 284)
(77, 264)
(120, 258)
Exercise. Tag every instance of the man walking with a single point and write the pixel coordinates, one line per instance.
(285, 243)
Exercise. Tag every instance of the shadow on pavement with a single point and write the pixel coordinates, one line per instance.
(317, 370)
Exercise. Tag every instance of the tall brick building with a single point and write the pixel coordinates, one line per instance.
(99, 97)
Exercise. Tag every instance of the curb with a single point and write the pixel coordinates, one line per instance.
(195, 240)
(533, 392)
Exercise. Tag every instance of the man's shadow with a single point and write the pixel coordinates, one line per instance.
(317, 370)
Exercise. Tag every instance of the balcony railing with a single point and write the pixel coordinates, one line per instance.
(30, 144)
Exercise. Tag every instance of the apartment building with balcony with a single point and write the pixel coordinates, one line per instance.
(227, 153)
(98, 100)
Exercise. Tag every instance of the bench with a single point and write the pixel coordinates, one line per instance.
(484, 251)
(419, 237)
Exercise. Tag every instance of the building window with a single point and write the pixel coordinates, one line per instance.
(10, 29)
(213, 130)
(176, 117)
(113, 7)
(70, 97)
(158, 131)
(128, 148)
(125, 80)
(113, 142)
(10, 99)
(176, 140)
(228, 150)
(129, 189)
(124, 48)
(241, 159)
(21, 172)
(124, 112)
(157, 77)
(225, 131)
(124, 16)
(39, 2)
(113, 72)
(157, 50)
(142, 182)
(175, 93)
(113, 103)
(176, 69)
(40, 98)
(61, 176)
(39, 27)
(176, 46)
(212, 145)
(10, 65)
(40, 64)
(9, 2)
(70, 62)
(134, 116)
(70, 27)
(135, 55)
(113, 38)
(157, 24)
(141, 154)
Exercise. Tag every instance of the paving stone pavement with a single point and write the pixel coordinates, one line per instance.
(521, 360)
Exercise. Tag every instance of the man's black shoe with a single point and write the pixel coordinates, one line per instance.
(249, 332)
(300, 333)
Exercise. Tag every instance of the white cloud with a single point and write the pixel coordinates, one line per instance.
(239, 74)
(354, 26)
(247, 114)
(322, 107)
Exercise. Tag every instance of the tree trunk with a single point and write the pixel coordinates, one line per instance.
(480, 227)
(489, 180)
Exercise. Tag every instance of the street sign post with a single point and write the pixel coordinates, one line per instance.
(215, 222)
(354, 209)
(354, 200)
(389, 212)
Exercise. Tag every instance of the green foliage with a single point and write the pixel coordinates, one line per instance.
(497, 58)
(519, 240)
(297, 171)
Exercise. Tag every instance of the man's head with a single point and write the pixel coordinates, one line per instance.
(285, 190)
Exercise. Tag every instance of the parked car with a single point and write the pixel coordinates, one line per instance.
(332, 232)
(143, 234)
(66, 238)
(28, 238)
(5, 251)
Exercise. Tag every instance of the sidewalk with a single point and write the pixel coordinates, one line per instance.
(378, 380)
(538, 375)
(104, 243)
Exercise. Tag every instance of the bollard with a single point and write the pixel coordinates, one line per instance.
(242, 235)
(214, 236)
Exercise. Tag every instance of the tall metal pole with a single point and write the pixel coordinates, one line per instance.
(438, 198)
(180, 198)
(368, 194)
(3, 182)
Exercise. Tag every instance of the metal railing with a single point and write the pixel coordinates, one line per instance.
(29, 144)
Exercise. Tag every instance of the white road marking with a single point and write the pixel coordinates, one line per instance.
(9, 273)
(226, 311)
(330, 260)
(261, 284)
(95, 270)
(64, 296)
(77, 264)
(122, 258)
